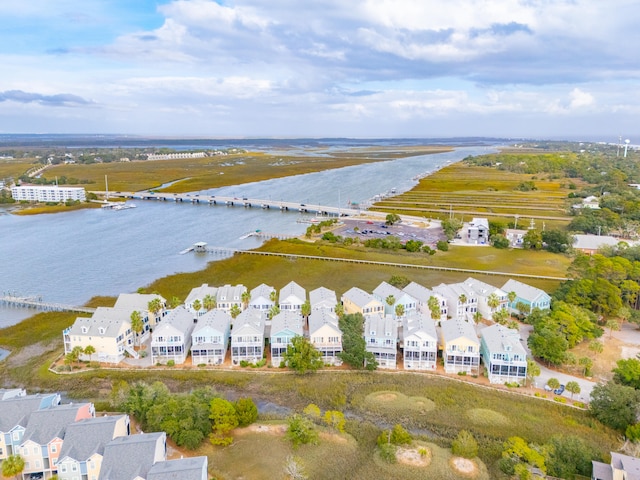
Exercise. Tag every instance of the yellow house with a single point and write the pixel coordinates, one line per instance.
(460, 347)
(356, 300)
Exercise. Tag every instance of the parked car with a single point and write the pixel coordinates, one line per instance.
(559, 390)
(547, 387)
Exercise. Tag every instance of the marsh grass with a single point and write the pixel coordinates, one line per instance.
(39, 209)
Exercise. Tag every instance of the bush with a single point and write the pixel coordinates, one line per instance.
(94, 365)
(301, 431)
(143, 354)
(560, 399)
(465, 445)
(462, 374)
(171, 363)
(388, 453)
(442, 246)
(244, 363)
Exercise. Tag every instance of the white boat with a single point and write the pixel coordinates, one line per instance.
(118, 206)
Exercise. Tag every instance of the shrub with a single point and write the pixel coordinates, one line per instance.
(244, 363)
(560, 399)
(246, 411)
(301, 431)
(200, 365)
(462, 374)
(465, 445)
(94, 364)
(261, 363)
(442, 246)
(171, 363)
(388, 453)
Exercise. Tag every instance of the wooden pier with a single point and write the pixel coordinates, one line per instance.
(228, 252)
(37, 303)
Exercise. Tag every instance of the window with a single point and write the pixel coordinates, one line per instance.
(101, 330)
(54, 448)
(85, 329)
(63, 468)
(35, 450)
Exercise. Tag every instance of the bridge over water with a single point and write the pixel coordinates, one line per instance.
(37, 303)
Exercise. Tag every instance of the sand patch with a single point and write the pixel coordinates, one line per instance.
(629, 352)
(412, 456)
(262, 428)
(387, 397)
(464, 466)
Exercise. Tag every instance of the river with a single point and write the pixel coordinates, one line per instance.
(70, 257)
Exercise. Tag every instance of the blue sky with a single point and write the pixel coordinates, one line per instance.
(317, 68)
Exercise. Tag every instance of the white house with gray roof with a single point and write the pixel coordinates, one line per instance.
(527, 297)
(193, 468)
(419, 342)
(197, 295)
(292, 296)
(261, 297)
(462, 302)
(356, 300)
(460, 347)
(84, 443)
(171, 340)
(323, 298)
(247, 336)
(131, 457)
(210, 338)
(422, 295)
(503, 355)
(621, 467)
(108, 331)
(230, 295)
(381, 338)
(325, 335)
(140, 302)
(485, 294)
(386, 292)
(284, 326)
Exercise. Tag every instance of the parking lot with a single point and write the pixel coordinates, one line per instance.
(428, 233)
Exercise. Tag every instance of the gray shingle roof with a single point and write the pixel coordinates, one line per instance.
(418, 292)
(16, 411)
(358, 296)
(322, 296)
(87, 437)
(287, 320)
(454, 329)
(200, 292)
(321, 317)
(194, 468)
(128, 457)
(217, 319)
(108, 318)
(45, 425)
(498, 337)
(522, 290)
(136, 301)
(180, 319)
(421, 325)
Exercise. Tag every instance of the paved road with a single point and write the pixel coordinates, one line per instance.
(586, 386)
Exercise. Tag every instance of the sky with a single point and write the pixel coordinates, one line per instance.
(322, 68)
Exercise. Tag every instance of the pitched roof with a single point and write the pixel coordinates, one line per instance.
(384, 326)
(89, 436)
(262, 290)
(292, 289)
(524, 291)
(45, 425)
(15, 411)
(417, 291)
(216, 319)
(455, 329)
(108, 318)
(630, 465)
(321, 317)
(249, 320)
(359, 297)
(420, 325)
(127, 457)
(499, 338)
(384, 290)
(322, 297)
(194, 468)
(179, 318)
(230, 293)
(287, 320)
(200, 292)
(136, 301)
(482, 289)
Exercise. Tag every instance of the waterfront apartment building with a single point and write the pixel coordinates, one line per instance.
(47, 193)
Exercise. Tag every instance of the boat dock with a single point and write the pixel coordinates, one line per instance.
(37, 303)
(243, 202)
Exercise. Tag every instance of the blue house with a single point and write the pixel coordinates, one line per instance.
(528, 296)
(503, 355)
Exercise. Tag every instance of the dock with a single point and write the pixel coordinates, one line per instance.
(37, 303)
(323, 210)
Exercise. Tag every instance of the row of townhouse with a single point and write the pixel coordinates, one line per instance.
(209, 335)
(71, 442)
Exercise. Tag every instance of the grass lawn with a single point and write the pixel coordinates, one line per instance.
(15, 167)
(211, 172)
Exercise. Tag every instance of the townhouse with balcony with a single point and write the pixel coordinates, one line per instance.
(460, 347)
(487, 295)
(140, 303)
(462, 302)
(381, 338)
(386, 293)
(247, 336)
(503, 355)
(284, 326)
(291, 297)
(325, 335)
(323, 299)
(356, 300)
(419, 342)
(262, 297)
(108, 331)
(84, 442)
(171, 340)
(210, 338)
(526, 297)
(228, 296)
(423, 297)
(197, 296)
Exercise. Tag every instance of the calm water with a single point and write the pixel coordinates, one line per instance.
(70, 257)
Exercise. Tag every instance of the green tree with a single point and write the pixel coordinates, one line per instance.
(512, 297)
(13, 465)
(499, 241)
(354, 352)
(533, 370)
(451, 227)
(273, 311)
(209, 302)
(174, 302)
(612, 324)
(246, 411)
(390, 300)
(155, 306)
(465, 445)
(462, 299)
(633, 433)
(399, 310)
(596, 346)
(339, 309)
(586, 363)
(627, 372)
(223, 420)
(434, 308)
(197, 305)
(335, 419)
(246, 298)
(557, 241)
(234, 311)
(89, 350)
(477, 316)
(518, 450)
(399, 281)
(141, 397)
(553, 383)
(493, 301)
(396, 436)
(273, 296)
(312, 411)
(615, 405)
(392, 219)
(573, 388)
(301, 431)
(568, 456)
(500, 316)
(549, 345)
(302, 356)
(532, 240)
(305, 309)
(136, 325)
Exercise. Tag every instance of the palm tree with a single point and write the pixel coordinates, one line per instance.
(197, 305)
(339, 309)
(305, 309)
(493, 301)
(434, 308)
(573, 387)
(399, 310)
(612, 324)
(155, 306)
(174, 302)
(235, 310)
(390, 300)
(273, 311)
(512, 296)
(89, 350)
(13, 465)
(273, 296)
(596, 346)
(477, 316)
(136, 325)
(246, 298)
(208, 302)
